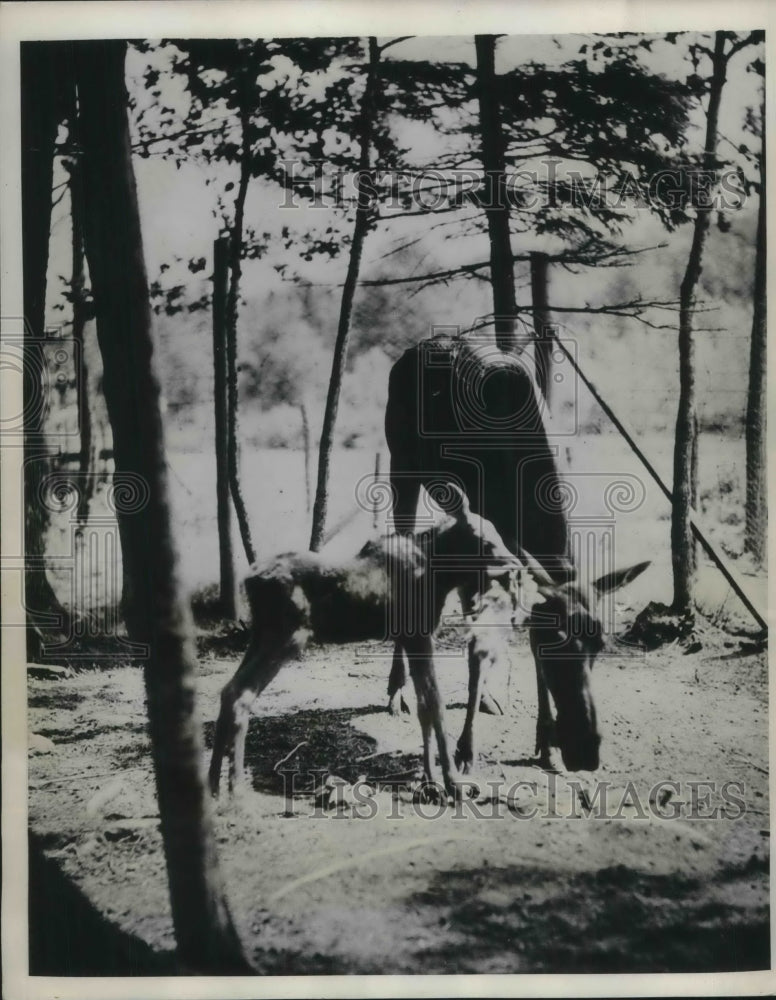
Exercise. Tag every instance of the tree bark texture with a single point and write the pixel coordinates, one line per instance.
(227, 587)
(756, 527)
(157, 615)
(232, 309)
(541, 318)
(683, 550)
(86, 462)
(44, 82)
(496, 196)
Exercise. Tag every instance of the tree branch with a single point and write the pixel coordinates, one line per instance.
(607, 258)
(203, 130)
(753, 38)
(394, 41)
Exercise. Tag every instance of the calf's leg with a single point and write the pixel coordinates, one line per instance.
(261, 663)
(480, 660)
(431, 713)
(487, 703)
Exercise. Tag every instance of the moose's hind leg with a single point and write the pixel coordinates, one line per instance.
(232, 719)
(262, 660)
(545, 724)
(261, 664)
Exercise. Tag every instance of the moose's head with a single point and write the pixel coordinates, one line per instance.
(566, 635)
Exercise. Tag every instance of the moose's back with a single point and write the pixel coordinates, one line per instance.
(471, 413)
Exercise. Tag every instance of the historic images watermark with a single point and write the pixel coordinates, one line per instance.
(316, 183)
(553, 797)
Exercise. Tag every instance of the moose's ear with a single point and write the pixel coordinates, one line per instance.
(613, 581)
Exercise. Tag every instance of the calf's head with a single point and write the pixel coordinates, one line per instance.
(566, 636)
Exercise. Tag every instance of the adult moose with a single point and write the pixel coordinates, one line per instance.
(466, 411)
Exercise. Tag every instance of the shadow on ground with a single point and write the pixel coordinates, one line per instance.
(69, 937)
(315, 743)
(613, 920)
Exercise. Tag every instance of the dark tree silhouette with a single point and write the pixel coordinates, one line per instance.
(245, 100)
(581, 111)
(44, 75)
(756, 526)
(683, 549)
(360, 229)
(496, 204)
(227, 591)
(157, 615)
(262, 115)
(541, 320)
(81, 306)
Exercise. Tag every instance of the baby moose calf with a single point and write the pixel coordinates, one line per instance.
(394, 588)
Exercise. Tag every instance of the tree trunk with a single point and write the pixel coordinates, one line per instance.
(360, 229)
(86, 463)
(756, 529)
(232, 307)
(683, 551)
(227, 591)
(541, 319)
(44, 79)
(308, 486)
(376, 501)
(496, 197)
(694, 477)
(157, 615)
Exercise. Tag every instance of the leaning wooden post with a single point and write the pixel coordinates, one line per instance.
(227, 592)
(698, 534)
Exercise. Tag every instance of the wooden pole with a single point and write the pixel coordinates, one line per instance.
(715, 556)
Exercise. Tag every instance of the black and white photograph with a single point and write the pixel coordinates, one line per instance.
(385, 500)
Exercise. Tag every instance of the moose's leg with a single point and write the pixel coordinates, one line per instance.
(406, 490)
(397, 681)
(545, 727)
(431, 713)
(487, 703)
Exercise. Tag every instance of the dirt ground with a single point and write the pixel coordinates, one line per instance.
(522, 881)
